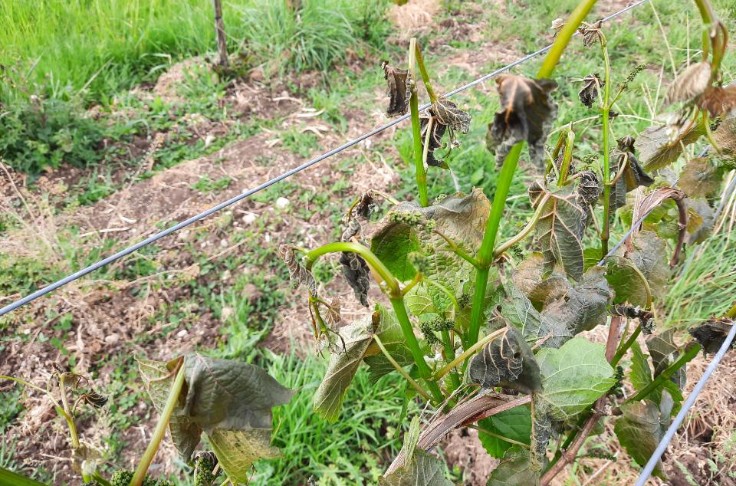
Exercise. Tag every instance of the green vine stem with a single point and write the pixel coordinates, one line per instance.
(566, 158)
(485, 254)
(525, 231)
(449, 354)
(605, 112)
(425, 74)
(691, 351)
(396, 297)
(421, 174)
(401, 370)
(163, 423)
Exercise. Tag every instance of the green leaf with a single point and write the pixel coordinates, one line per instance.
(9, 477)
(390, 334)
(515, 424)
(573, 377)
(700, 178)
(641, 375)
(393, 245)
(664, 352)
(649, 255)
(640, 430)
(344, 362)
(506, 361)
(628, 283)
(560, 228)
(514, 470)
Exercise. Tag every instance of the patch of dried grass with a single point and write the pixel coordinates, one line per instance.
(414, 16)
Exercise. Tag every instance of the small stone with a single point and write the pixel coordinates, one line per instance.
(249, 218)
(182, 333)
(282, 203)
(112, 339)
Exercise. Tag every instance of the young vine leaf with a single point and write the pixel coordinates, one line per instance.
(584, 305)
(297, 273)
(507, 361)
(444, 116)
(690, 84)
(230, 401)
(398, 89)
(642, 427)
(514, 469)
(514, 424)
(389, 332)
(700, 178)
(534, 326)
(526, 114)
(664, 352)
(573, 377)
(633, 175)
(661, 145)
(536, 283)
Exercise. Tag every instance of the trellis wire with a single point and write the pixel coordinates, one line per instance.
(672, 430)
(127, 251)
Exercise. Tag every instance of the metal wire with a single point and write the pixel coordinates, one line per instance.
(684, 410)
(127, 251)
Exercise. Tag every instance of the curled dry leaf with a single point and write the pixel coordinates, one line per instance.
(700, 178)
(435, 141)
(633, 175)
(712, 333)
(591, 33)
(725, 139)
(297, 273)
(445, 116)
(558, 24)
(718, 101)
(507, 361)
(356, 272)
(526, 114)
(589, 94)
(447, 113)
(661, 145)
(398, 89)
(690, 84)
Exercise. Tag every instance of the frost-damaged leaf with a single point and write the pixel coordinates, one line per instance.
(237, 450)
(700, 220)
(538, 285)
(417, 467)
(591, 32)
(389, 332)
(589, 94)
(633, 175)
(514, 424)
(659, 146)
(640, 430)
(356, 272)
(228, 400)
(585, 304)
(712, 333)
(718, 101)
(649, 256)
(448, 114)
(398, 89)
(507, 361)
(725, 139)
(664, 352)
(435, 141)
(690, 84)
(700, 178)
(526, 114)
(344, 363)
(573, 377)
(533, 325)
(514, 469)
(628, 283)
(297, 273)
(560, 228)
(641, 375)
(158, 377)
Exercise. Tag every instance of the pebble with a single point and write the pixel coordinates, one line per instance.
(282, 203)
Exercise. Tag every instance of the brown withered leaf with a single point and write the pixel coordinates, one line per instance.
(725, 139)
(589, 94)
(539, 286)
(700, 220)
(591, 32)
(398, 89)
(356, 272)
(690, 84)
(633, 175)
(558, 24)
(297, 273)
(700, 178)
(718, 101)
(435, 141)
(560, 228)
(526, 114)
(507, 361)
(447, 113)
(659, 146)
(712, 333)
